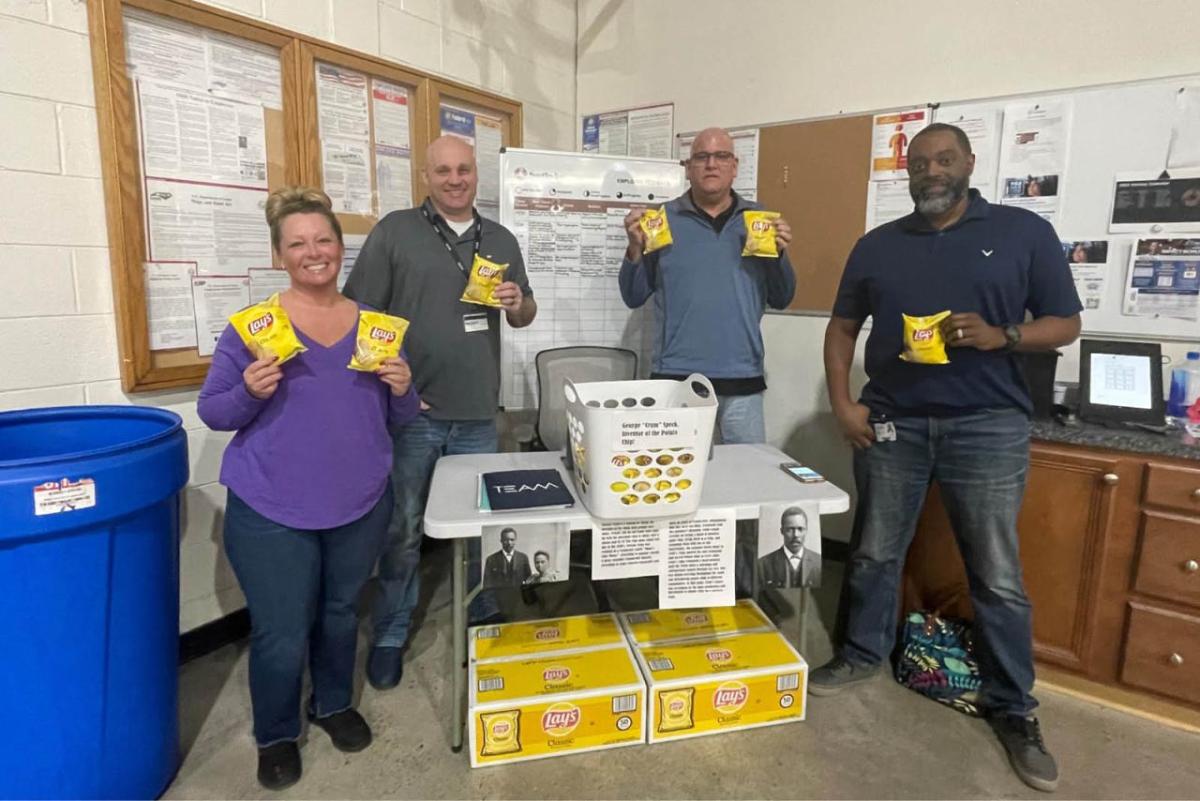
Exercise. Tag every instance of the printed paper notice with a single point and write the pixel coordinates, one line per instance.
(215, 298)
(1164, 279)
(352, 244)
(221, 228)
(488, 141)
(393, 177)
(696, 561)
(391, 114)
(651, 131)
(244, 70)
(1155, 203)
(981, 124)
(1033, 156)
(342, 103)
(346, 175)
(890, 135)
(1089, 267)
(196, 137)
(650, 430)
(887, 201)
(265, 282)
(626, 548)
(169, 315)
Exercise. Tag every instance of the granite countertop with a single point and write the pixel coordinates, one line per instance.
(1176, 442)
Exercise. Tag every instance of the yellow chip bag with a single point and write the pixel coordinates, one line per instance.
(656, 228)
(501, 732)
(379, 337)
(675, 709)
(923, 340)
(481, 286)
(760, 234)
(267, 330)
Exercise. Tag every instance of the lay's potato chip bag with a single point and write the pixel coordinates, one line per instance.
(481, 286)
(379, 337)
(760, 234)
(656, 228)
(923, 340)
(267, 330)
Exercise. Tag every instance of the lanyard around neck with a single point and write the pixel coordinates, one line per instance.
(450, 248)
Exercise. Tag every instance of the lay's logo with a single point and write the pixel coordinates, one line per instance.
(383, 334)
(487, 272)
(718, 654)
(560, 719)
(922, 334)
(261, 323)
(730, 697)
(654, 222)
(556, 673)
(548, 633)
(696, 619)
(760, 226)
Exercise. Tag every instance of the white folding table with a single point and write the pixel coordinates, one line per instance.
(741, 477)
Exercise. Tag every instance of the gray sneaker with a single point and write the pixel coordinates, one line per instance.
(837, 674)
(1022, 739)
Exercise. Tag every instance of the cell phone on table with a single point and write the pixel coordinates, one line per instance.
(805, 475)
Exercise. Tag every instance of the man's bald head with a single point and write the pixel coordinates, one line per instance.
(711, 139)
(452, 177)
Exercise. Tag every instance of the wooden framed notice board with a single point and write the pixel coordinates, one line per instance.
(201, 113)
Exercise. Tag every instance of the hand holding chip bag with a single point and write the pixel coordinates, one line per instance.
(379, 338)
(760, 234)
(266, 330)
(655, 229)
(923, 339)
(481, 285)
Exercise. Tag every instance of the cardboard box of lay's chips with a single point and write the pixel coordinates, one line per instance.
(673, 625)
(532, 637)
(549, 704)
(722, 684)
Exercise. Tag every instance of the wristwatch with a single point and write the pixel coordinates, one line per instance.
(1012, 337)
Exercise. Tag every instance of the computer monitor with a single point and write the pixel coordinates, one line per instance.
(1120, 382)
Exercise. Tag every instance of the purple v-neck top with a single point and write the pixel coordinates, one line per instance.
(315, 455)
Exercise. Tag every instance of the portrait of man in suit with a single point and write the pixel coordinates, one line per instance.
(507, 567)
(791, 564)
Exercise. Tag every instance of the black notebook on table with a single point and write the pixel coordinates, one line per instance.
(509, 490)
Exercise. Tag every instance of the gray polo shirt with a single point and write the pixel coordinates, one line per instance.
(404, 269)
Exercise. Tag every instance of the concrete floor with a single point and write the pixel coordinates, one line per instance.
(880, 741)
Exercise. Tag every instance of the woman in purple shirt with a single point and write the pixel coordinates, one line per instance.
(309, 488)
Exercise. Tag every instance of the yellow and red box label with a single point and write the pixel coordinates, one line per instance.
(723, 683)
(554, 704)
(672, 625)
(533, 637)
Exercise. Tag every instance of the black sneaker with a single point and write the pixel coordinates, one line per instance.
(385, 667)
(837, 674)
(347, 729)
(279, 765)
(1022, 739)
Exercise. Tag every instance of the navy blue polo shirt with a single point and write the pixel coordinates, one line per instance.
(997, 261)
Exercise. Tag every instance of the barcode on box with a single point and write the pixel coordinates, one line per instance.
(488, 633)
(491, 685)
(789, 681)
(638, 618)
(624, 703)
(660, 664)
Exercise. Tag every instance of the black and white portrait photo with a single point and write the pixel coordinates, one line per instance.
(525, 554)
(789, 546)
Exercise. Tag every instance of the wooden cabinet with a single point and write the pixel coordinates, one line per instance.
(1110, 552)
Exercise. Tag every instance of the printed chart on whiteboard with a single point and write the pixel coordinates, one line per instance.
(567, 212)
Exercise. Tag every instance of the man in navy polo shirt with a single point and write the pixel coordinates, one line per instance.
(964, 424)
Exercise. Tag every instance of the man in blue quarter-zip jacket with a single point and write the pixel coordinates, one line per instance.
(708, 298)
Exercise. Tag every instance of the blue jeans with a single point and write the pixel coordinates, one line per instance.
(980, 462)
(417, 447)
(301, 587)
(740, 421)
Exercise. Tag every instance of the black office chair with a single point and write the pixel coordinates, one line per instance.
(581, 363)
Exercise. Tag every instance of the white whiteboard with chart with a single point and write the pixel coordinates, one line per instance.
(567, 211)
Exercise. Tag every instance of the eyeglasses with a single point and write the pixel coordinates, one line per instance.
(720, 156)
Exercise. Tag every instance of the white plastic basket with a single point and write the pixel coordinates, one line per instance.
(639, 449)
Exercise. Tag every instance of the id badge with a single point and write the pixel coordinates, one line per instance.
(475, 322)
(885, 432)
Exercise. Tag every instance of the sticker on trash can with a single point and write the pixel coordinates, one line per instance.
(56, 497)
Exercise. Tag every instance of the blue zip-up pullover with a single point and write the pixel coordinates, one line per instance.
(708, 299)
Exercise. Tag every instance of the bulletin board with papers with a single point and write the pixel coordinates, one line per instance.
(201, 114)
(1115, 169)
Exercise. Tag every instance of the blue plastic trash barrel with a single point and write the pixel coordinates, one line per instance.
(89, 601)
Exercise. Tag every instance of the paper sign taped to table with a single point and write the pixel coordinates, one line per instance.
(626, 548)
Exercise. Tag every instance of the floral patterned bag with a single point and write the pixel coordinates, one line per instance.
(937, 659)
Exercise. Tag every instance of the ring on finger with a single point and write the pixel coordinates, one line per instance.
(959, 333)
